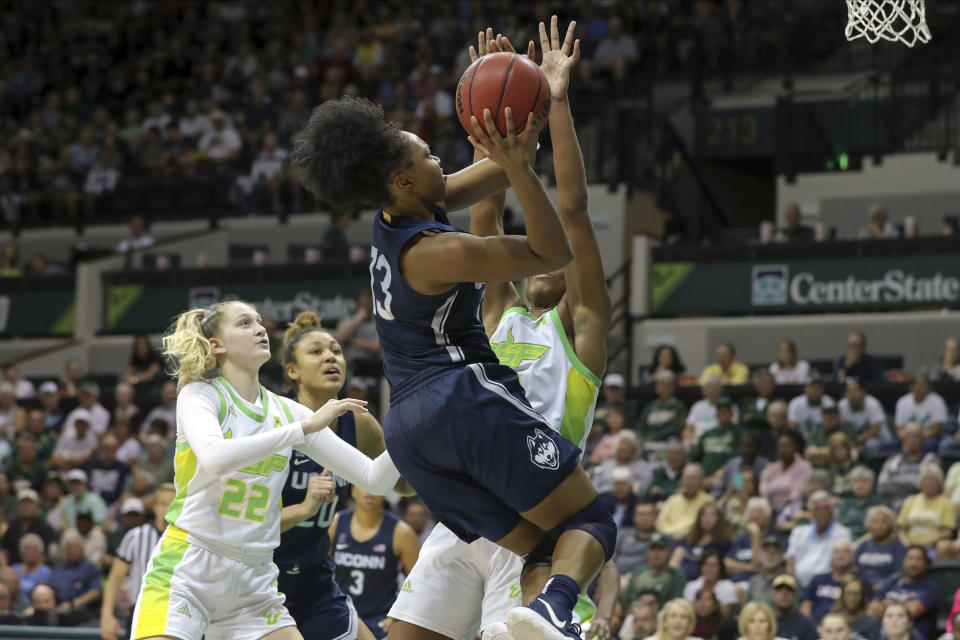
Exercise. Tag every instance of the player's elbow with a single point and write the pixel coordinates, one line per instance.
(557, 258)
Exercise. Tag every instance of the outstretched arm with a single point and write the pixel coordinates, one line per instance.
(586, 306)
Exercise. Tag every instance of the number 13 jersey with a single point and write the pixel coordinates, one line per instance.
(417, 331)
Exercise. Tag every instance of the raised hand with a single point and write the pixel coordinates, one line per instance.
(512, 152)
(487, 43)
(558, 58)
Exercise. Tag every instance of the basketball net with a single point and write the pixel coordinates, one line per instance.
(894, 20)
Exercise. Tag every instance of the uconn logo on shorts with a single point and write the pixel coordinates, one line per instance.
(543, 451)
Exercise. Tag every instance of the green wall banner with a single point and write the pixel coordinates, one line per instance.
(33, 314)
(805, 285)
(134, 308)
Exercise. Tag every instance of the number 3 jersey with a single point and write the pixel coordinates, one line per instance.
(416, 331)
(236, 513)
(305, 548)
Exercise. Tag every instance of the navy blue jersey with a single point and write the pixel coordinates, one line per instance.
(307, 545)
(417, 331)
(368, 570)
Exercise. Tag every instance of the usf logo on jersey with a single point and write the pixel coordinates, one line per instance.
(267, 466)
(511, 353)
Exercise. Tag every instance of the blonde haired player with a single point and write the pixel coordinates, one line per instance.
(557, 345)
(212, 572)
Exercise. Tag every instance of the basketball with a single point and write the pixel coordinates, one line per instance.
(500, 80)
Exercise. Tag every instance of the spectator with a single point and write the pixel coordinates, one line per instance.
(109, 476)
(643, 621)
(666, 478)
(777, 425)
(898, 624)
(28, 520)
(878, 226)
(676, 621)
(796, 231)
(22, 389)
(757, 622)
(627, 453)
(880, 555)
(614, 423)
(157, 118)
(952, 484)
(783, 480)
(663, 417)
(731, 479)
(9, 261)
(621, 500)
(679, 512)
(26, 467)
(665, 358)
(666, 581)
(123, 403)
(268, 173)
(703, 413)
(733, 502)
(948, 369)
(129, 450)
(713, 576)
(192, 123)
(863, 411)
(632, 542)
(719, 445)
(72, 378)
(166, 411)
(10, 579)
(753, 410)
(222, 143)
(810, 545)
(83, 152)
(806, 411)
(144, 367)
(616, 52)
(139, 238)
(928, 518)
(924, 407)
(12, 416)
(726, 367)
(32, 568)
(744, 555)
(851, 609)
(101, 181)
(94, 539)
(710, 532)
(132, 514)
(795, 512)
(88, 398)
(709, 614)
(840, 463)
(818, 439)
(80, 498)
(157, 465)
(900, 474)
(857, 362)
(914, 589)
(76, 445)
(788, 369)
(358, 334)
(791, 623)
(853, 509)
(824, 589)
(53, 415)
(771, 563)
(76, 580)
(418, 517)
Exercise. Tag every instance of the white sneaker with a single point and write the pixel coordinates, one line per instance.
(526, 624)
(496, 631)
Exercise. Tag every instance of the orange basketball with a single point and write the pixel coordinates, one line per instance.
(500, 80)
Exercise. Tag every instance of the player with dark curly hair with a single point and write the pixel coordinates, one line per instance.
(460, 428)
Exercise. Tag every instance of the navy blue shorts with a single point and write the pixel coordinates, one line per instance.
(473, 448)
(373, 624)
(322, 611)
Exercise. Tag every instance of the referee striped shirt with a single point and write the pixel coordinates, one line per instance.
(136, 549)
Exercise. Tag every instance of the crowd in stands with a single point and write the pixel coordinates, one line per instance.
(801, 514)
(105, 106)
(879, 227)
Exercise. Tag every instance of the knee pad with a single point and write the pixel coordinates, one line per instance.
(595, 519)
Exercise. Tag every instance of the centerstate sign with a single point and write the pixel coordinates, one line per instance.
(135, 308)
(805, 285)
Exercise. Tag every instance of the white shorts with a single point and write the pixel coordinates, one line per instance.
(456, 588)
(189, 592)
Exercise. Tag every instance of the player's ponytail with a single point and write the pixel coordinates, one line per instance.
(187, 344)
(305, 323)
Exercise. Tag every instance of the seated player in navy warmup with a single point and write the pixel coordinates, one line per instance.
(460, 428)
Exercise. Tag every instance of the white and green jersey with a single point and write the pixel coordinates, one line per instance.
(560, 387)
(237, 512)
